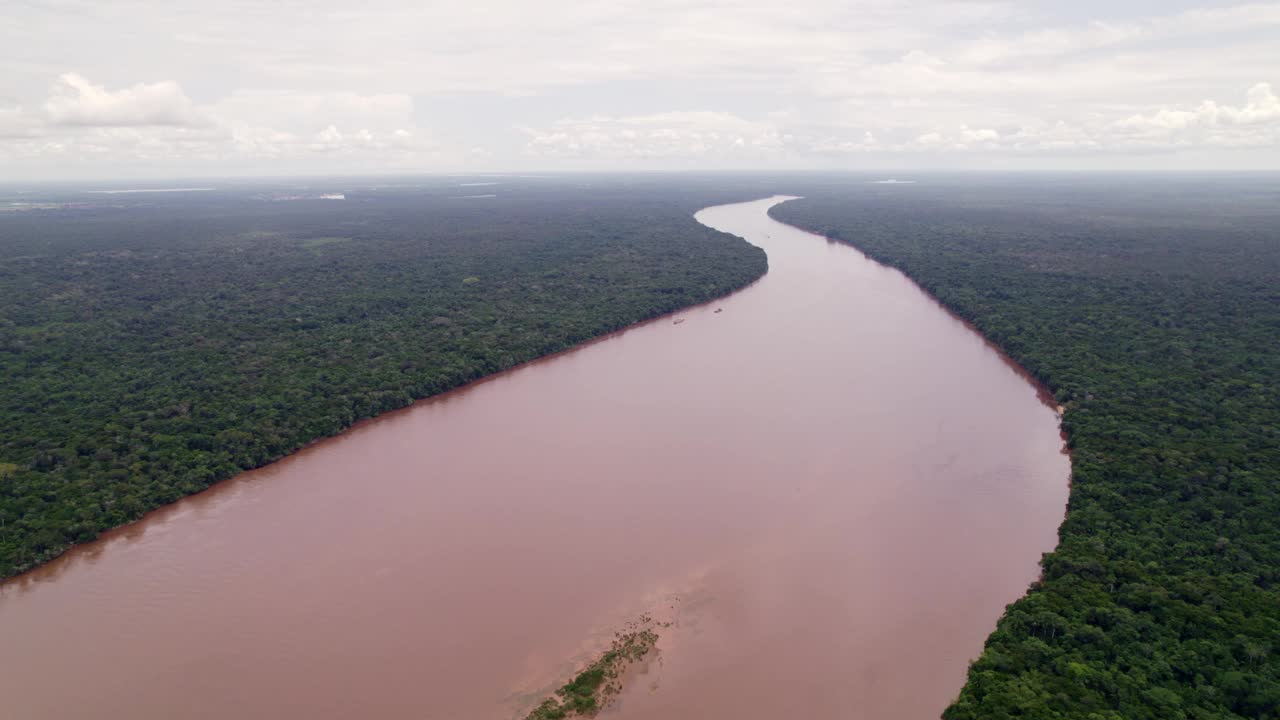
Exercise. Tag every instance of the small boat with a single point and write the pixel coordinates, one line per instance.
(677, 321)
(719, 310)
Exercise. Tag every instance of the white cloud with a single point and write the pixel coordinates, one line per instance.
(283, 124)
(725, 136)
(658, 136)
(980, 135)
(76, 101)
(1256, 122)
(157, 123)
(631, 83)
(1262, 106)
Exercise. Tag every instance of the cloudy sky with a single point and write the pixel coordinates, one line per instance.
(142, 88)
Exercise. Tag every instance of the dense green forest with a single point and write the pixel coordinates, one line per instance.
(152, 344)
(1151, 307)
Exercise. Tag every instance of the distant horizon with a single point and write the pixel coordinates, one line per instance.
(202, 90)
(167, 181)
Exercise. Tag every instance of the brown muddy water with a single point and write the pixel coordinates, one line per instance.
(830, 489)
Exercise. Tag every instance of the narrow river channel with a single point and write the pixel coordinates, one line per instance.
(827, 485)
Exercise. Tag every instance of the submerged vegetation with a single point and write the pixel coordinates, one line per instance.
(153, 345)
(1151, 307)
(590, 690)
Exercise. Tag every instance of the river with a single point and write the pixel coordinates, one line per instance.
(827, 485)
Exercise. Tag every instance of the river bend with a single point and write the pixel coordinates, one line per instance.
(826, 484)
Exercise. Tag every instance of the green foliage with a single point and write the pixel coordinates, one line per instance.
(150, 347)
(590, 689)
(1151, 308)
(580, 695)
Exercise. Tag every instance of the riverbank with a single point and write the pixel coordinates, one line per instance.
(767, 464)
(1145, 307)
(246, 332)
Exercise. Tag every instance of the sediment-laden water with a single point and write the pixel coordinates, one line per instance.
(826, 485)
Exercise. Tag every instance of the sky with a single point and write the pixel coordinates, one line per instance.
(145, 89)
